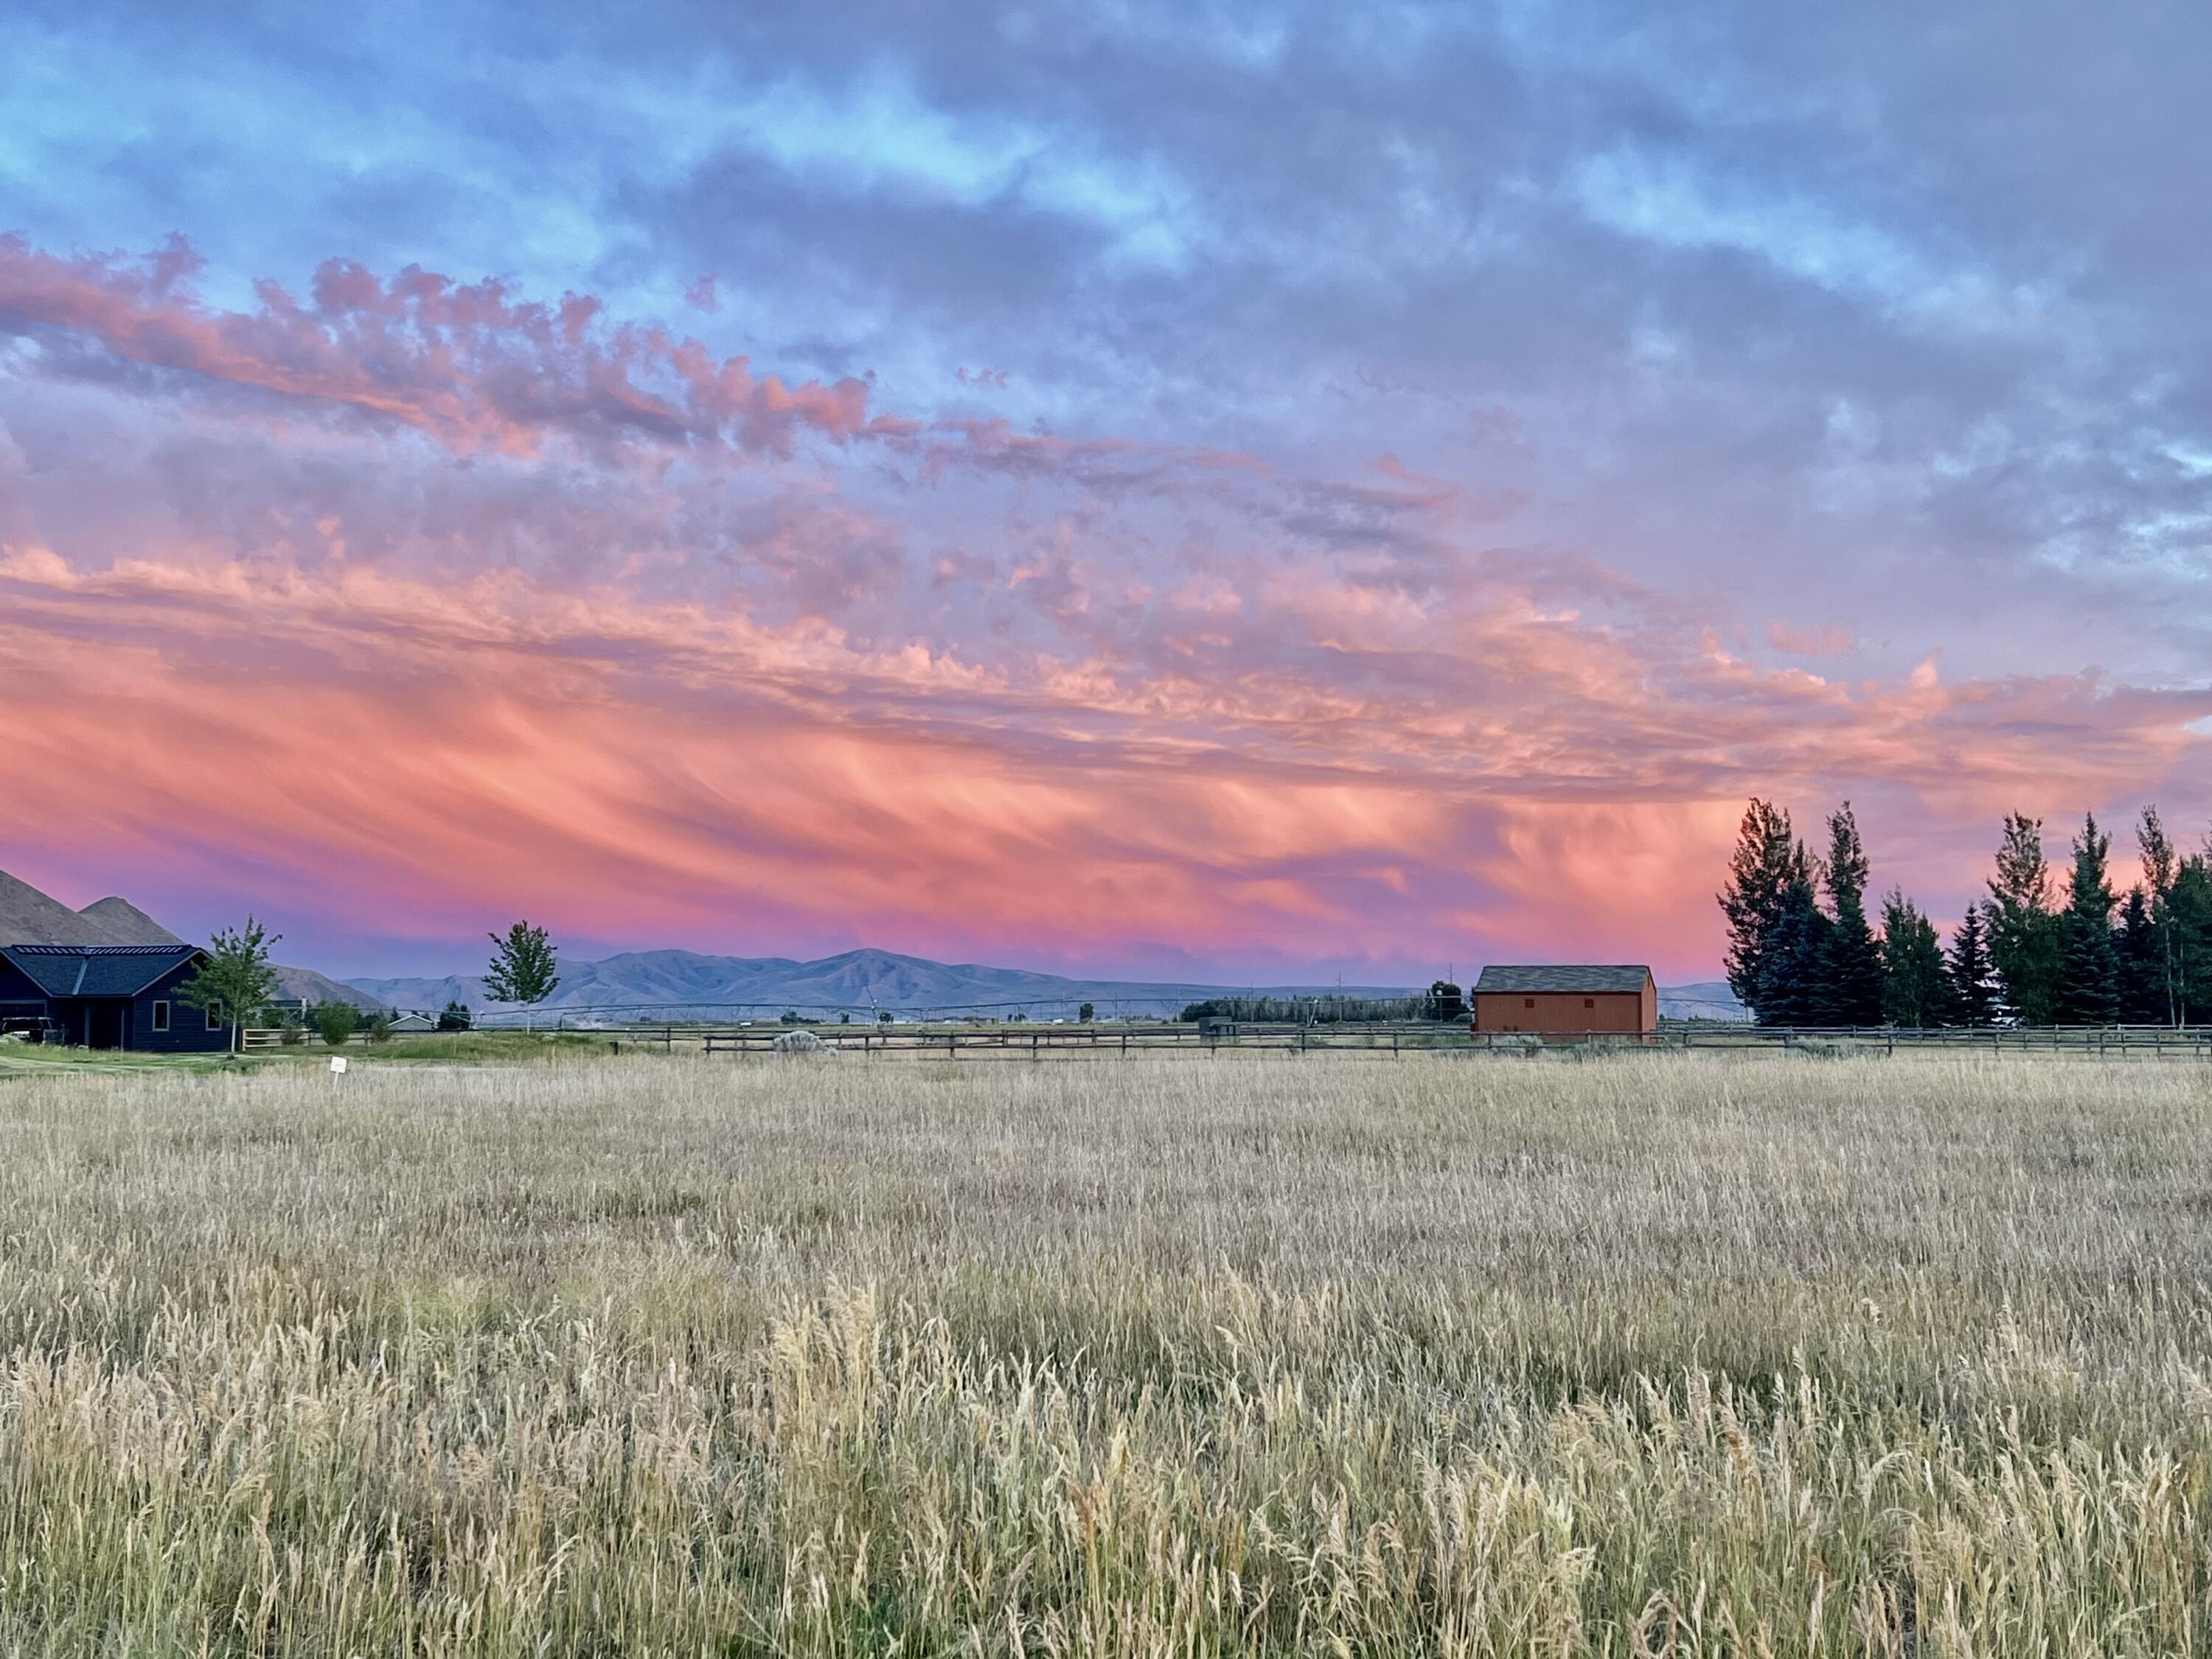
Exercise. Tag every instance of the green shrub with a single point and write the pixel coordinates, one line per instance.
(336, 1022)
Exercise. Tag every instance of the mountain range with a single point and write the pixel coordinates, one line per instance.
(637, 984)
(856, 982)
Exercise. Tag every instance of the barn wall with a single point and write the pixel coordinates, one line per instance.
(1565, 1012)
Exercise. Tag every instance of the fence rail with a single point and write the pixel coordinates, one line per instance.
(981, 1040)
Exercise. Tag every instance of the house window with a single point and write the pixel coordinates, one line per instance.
(1589, 1002)
(1528, 1002)
(160, 1016)
(213, 1020)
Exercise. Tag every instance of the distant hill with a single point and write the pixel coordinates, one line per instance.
(857, 981)
(127, 922)
(311, 987)
(637, 982)
(29, 917)
(1707, 1000)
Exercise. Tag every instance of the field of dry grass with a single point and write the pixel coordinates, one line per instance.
(1648, 1354)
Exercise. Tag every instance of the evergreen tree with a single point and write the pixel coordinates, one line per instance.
(2161, 868)
(1767, 862)
(2190, 919)
(1790, 962)
(2025, 947)
(2088, 987)
(1972, 998)
(1848, 988)
(1914, 992)
(2142, 964)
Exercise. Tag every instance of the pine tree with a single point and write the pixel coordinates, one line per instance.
(2142, 964)
(2161, 869)
(2190, 919)
(1790, 964)
(2088, 987)
(2025, 947)
(1973, 999)
(1767, 861)
(1913, 990)
(1849, 990)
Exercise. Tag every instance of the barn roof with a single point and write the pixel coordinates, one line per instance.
(97, 970)
(1575, 977)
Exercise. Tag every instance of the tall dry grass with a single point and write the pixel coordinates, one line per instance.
(1649, 1355)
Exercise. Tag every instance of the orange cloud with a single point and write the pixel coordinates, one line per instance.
(417, 753)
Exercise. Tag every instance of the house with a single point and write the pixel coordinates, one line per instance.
(414, 1022)
(107, 996)
(1566, 1000)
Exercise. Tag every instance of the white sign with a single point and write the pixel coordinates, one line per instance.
(337, 1064)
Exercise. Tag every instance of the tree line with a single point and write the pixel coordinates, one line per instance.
(2040, 949)
(237, 983)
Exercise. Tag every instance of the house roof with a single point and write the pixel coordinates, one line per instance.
(1574, 977)
(97, 970)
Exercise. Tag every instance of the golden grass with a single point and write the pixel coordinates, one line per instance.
(1647, 1354)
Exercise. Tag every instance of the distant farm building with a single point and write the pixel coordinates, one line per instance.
(107, 996)
(1566, 1001)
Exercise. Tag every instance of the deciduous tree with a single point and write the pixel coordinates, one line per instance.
(523, 967)
(236, 982)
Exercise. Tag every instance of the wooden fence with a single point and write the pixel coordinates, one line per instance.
(985, 1041)
(1404, 1040)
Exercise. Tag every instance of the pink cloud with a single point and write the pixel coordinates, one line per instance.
(1833, 640)
(465, 363)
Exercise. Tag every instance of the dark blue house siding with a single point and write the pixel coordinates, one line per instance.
(128, 1017)
(188, 1032)
(20, 997)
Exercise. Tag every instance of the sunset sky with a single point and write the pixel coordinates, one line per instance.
(1208, 491)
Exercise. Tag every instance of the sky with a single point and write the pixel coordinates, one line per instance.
(1209, 490)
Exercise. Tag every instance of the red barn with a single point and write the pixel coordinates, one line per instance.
(1567, 1001)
